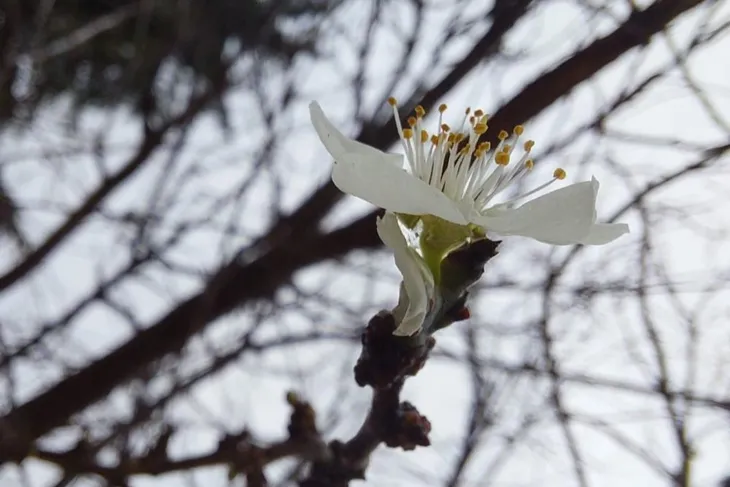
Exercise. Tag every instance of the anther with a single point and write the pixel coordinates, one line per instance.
(442, 108)
(478, 112)
(407, 133)
(424, 136)
(559, 173)
(412, 121)
(519, 129)
(420, 111)
(503, 135)
(480, 128)
(529, 164)
(445, 127)
(392, 101)
(529, 145)
(502, 158)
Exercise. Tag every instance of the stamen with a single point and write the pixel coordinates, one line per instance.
(460, 165)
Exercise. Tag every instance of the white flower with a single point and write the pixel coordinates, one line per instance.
(417, 289)
(455, 177)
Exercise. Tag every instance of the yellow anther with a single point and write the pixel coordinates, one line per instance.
(445, 127)
(424, 136)
(407, 133)
(506, 148)
(442, 108)
(452, 137)
(435, 140)
(472, 120)
(465, 149)
(480, 128)
(559, 173)
(502, 158)
(412, 121)
(459, 137)
(519, 129)
(392, 101)
(420, 111)
(529, 164)
(479, 112)
(485, 146)
(502, 135)
(484, 119)
(529, 145)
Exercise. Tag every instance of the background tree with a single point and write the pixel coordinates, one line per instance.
(183, 292)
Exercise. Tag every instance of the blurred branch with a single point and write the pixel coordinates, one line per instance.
(84, 33)
(153, 138)
(239, 452)
(229, 288)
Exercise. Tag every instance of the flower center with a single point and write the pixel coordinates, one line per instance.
(459, 164)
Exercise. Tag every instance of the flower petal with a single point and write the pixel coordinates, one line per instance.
(561, 217)
(341, 147)
(417, 279)
(603, 233)
(394, 189)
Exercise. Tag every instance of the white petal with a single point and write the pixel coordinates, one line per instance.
(394, 189)
(561, 217)
(417, 280)
(412, 321)
(341, 147)
(603, 233)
